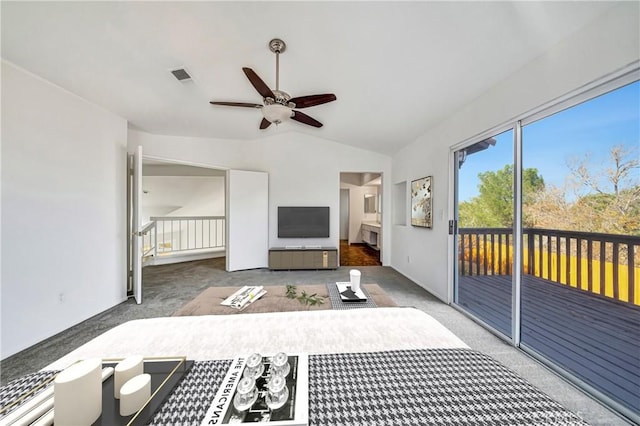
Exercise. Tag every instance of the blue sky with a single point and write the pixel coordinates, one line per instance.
(591, 127)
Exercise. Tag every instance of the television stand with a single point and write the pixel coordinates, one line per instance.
(283, 258)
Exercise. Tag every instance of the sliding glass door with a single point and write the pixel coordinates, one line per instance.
(547, 243)
(581, 237)
(484, 176)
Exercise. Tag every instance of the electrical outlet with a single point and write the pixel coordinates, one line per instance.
(408, 259)
(61, 297)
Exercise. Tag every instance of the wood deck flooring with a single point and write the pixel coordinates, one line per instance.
(594, 337)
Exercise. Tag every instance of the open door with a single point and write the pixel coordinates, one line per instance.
(247, 220)
(135, 231)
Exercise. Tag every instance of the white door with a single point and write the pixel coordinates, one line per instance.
(247, 220)
(344, 214)
(136, 225)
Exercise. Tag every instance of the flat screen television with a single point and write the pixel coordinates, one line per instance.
(303, 222)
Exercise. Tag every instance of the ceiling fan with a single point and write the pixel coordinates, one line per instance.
(278, 106)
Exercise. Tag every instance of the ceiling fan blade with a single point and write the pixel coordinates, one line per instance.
(264, 123)
(312, 100)
(304, 118)
(236, 104)
(257, 82)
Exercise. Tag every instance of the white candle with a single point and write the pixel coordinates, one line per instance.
(355, 280)
(31, 410)
(34, 408)
(134, 394)
(125, 370)
(77, 393)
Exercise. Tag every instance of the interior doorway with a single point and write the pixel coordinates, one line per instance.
(360, 218)
(176, 214)
(185, 205)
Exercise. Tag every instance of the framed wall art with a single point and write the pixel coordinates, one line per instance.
(421, 205)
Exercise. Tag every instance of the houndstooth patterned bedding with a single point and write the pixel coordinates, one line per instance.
(425, 387)
(406, 387)
(189, 401)
(18, 387)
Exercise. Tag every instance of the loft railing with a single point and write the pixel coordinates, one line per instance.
(605, 264)
(148, 239)
(171, 234)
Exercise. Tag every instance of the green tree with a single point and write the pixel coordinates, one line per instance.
(493, 208)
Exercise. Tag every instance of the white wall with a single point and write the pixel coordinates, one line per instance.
(63, 209)
(604, 46)
(303, 170)
(207, 199)
(182, 196)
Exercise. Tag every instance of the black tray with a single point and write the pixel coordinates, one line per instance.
(165, 374)
(349, 296)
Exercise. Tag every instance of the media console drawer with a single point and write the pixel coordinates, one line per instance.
(303, 258)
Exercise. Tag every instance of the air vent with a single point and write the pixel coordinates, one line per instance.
(181, 74)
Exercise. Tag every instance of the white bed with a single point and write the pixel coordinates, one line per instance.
(211, 337)
(379, 366)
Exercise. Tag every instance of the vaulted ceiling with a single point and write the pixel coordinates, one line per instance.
(397, 68)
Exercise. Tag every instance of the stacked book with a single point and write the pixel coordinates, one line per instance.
(244, 297)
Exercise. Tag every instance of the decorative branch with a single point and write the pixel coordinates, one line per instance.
(291, 291)
(304, 298)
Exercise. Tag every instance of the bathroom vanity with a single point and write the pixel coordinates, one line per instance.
(370, 234)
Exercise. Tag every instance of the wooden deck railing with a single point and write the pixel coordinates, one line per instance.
(605, 264)
(485, 251)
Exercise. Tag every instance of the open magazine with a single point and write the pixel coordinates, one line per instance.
(294, 411)
(244, 297)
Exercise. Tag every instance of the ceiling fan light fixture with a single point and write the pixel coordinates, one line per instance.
(278, 106)
(276, 113)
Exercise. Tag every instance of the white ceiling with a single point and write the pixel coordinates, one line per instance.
(397, 68)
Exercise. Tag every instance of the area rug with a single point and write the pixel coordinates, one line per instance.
(208, 302)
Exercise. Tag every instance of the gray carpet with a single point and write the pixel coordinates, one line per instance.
(169, 287)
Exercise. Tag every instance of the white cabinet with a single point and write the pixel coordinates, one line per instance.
(370, 234)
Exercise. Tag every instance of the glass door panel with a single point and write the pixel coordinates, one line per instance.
(580, 305)
(484, 240)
